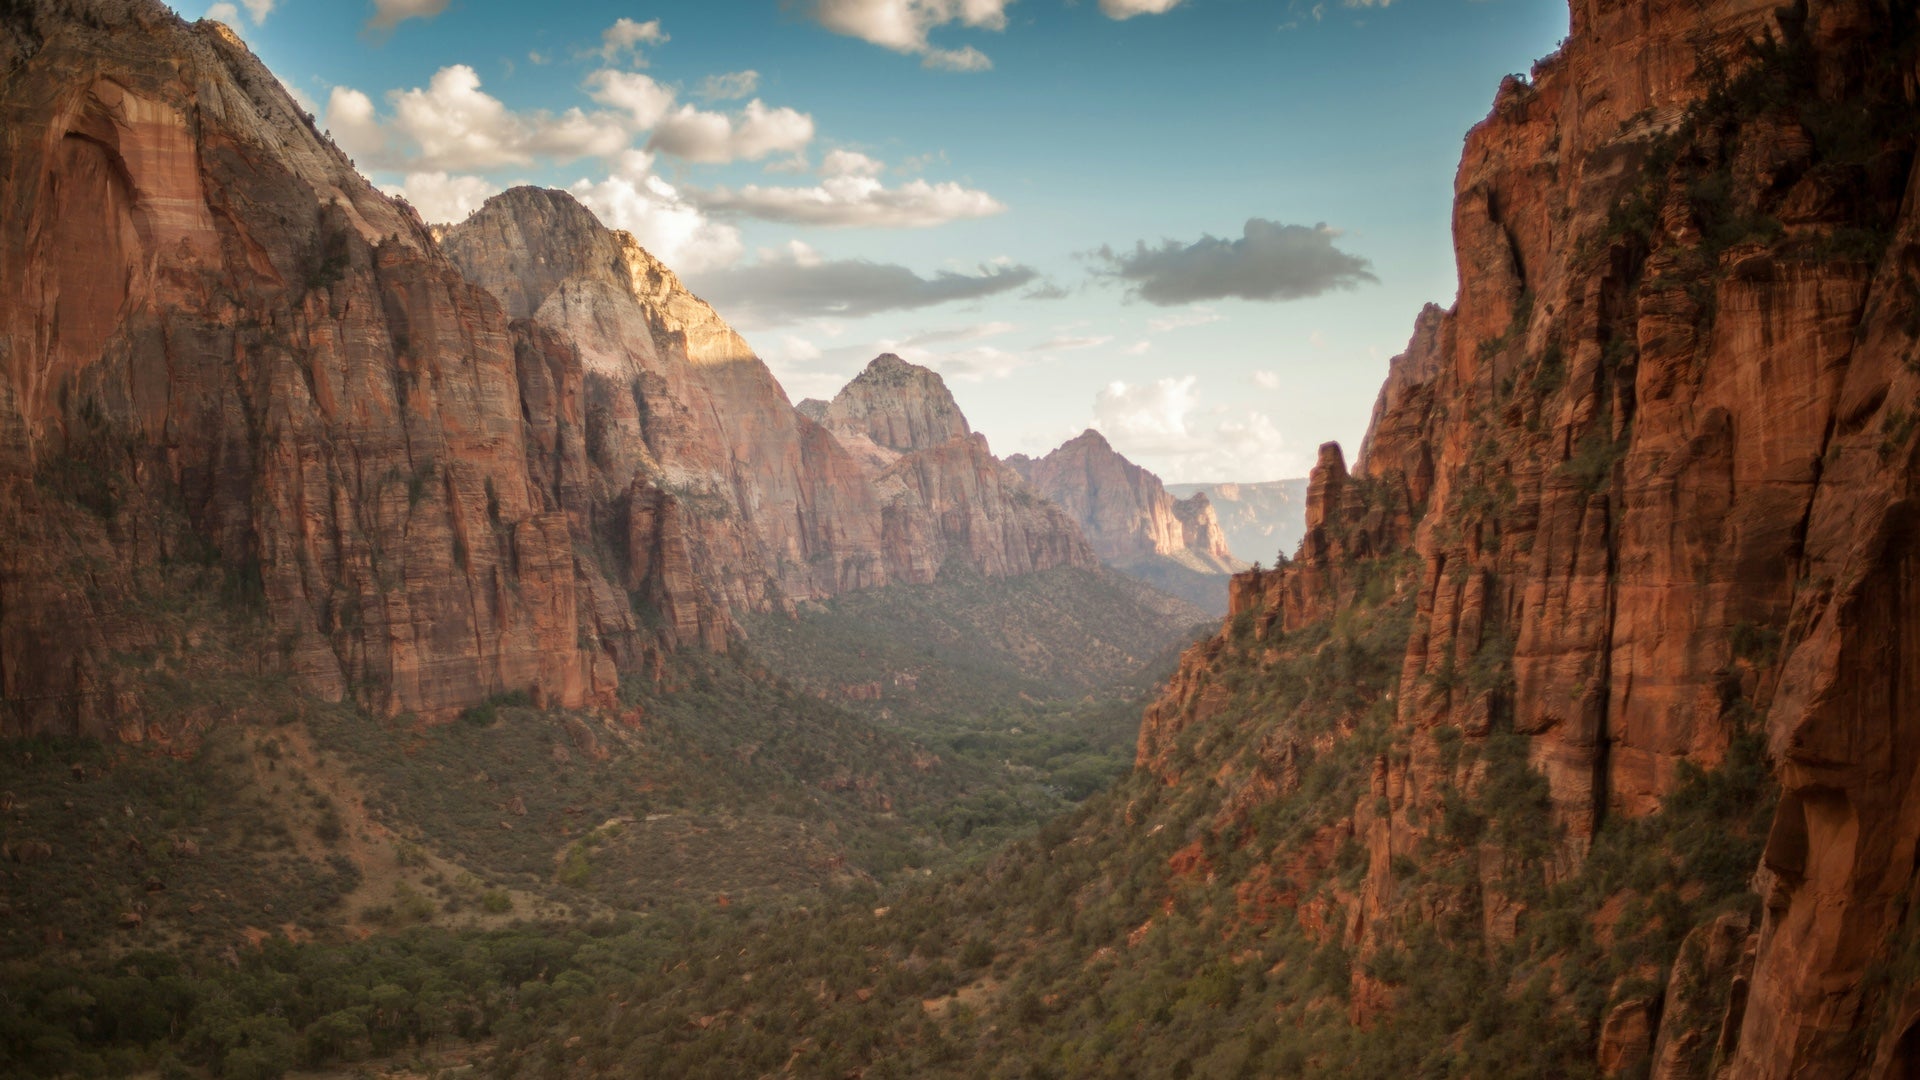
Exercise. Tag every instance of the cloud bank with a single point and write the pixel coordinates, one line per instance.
(1270, 261)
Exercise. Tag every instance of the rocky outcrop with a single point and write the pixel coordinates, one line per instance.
(1125, 510)
(944, 496)
(1655, 470)
(731, 501)
(221, 345)
(1134, 525)
(1257, 520)
(518, 456)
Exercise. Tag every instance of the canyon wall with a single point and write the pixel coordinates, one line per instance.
(424, 469)
(1652, 481)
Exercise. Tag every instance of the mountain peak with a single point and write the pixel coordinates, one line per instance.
(899, 405)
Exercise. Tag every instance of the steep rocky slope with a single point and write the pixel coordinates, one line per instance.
(1650, 483)
(944, 496)
(222, 346)
(718, 497)
(1257, 519)
(1132, 522)
(516, 457)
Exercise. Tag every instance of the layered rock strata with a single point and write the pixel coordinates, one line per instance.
(1125, 510)
(1656, 468)
(515, 456)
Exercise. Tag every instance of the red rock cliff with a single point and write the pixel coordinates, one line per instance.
(1661, 454)
(1125, 510)
(218, 341)
(944, 495)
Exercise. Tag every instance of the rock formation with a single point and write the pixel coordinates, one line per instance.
(1125, 510)
(944, 495)
(1656, 471)
(1132, 522)
(1257, 519)
(222, 345)
(518, 456)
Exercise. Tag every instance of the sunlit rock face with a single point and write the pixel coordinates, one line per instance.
(945, 496)
(516, 455)
(1661, 454)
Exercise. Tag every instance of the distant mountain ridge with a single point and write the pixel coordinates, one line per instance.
(1260, 520)
(1131, 520)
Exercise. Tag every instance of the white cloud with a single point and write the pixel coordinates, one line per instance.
(388, 14)
(352, 122)
(1138, 348)
(1197, 317)
(1066, 343)
(1267, 380)
(798, 349)
(452, 124)
(850, 163)
(975, 364)
(626, 36)
(229, 13)
(854, 198)
(1127, 9)
(1162, 426)
(731, 86)
(903, 25)
(658, 216)
(714, 138)
(443, 198)
(965, 58)
(645, 100)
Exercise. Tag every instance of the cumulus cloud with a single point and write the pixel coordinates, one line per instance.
(965, 58)
(731, 86)
(903, 26)
(1163, 426)
(786, 287)
(850, 193)
(1270, 261)
(659, 216)
(388, 14)
(625, 37)
(1267, 380)
(229, 13)
(713, 138)
(452, 124)
(441, 197)
(645, 101)
(1127, 9)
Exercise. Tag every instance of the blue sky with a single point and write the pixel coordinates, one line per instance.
(1202, 226)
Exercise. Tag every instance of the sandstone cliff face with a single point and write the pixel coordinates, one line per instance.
(1257, 519)
(518, 456)
(220, 343)
(1656, 471)
(944, 496)
(1125, 510)
(685, 436)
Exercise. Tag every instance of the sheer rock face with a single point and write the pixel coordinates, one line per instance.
(517, 456)
(685, 429)
(1124, 509)
(1257, 519)
(944, 496)
(1670, 469)
(208, 319)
